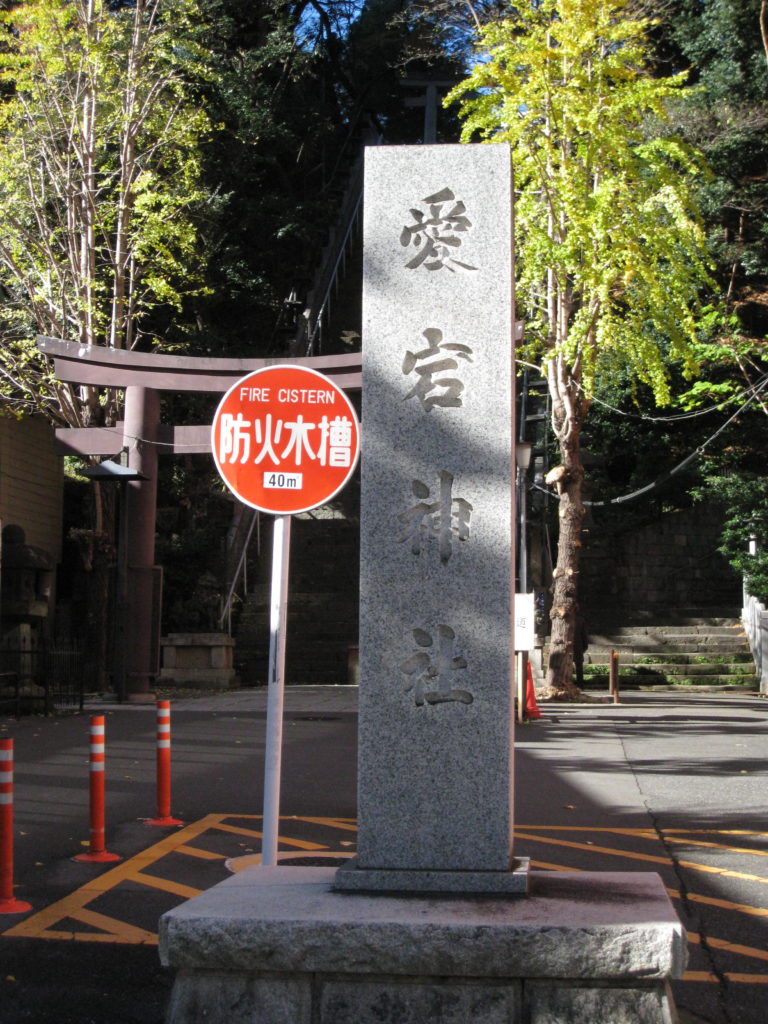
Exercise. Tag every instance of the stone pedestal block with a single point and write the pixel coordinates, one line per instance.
(280, 946)
(198, 660)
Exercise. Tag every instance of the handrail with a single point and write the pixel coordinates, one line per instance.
(340, 256)
(328, 276)
(226, 612)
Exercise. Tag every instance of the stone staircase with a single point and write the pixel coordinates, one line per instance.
(690, 652)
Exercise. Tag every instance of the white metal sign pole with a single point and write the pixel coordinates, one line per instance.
(318, 460)
(281, 546)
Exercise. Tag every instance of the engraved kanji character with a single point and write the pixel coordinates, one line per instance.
(444, 518)
(426, 384)
(436, 234)
(435, 670)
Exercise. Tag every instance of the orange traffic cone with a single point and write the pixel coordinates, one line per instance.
(531, 707)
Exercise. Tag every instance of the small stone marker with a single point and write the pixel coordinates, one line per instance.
(437, 542)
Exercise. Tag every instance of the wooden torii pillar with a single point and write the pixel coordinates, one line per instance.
(143, 376)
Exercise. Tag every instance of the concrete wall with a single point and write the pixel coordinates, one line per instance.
(31, 476)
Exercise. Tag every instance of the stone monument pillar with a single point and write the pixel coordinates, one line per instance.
(437, 523)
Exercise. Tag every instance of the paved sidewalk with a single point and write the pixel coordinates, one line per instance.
(306, 699)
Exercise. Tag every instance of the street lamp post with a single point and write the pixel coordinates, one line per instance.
(522, 461)
(523, 451)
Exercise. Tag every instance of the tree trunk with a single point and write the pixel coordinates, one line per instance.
(569, 409)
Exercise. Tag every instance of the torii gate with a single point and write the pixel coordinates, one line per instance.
(143, 376)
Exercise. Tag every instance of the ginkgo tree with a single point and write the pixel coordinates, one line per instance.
(100, 184)
(611, 256)
(100, 157)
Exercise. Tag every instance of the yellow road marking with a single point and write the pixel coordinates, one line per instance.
(341, 823)
(74, 907)
(175, 888)
(713, 901)
(591, 848)
(740, 908)
(709, 869)
(39, 925)
(126, 937)
(730, 947)
(693, 937)
(716, 846)
(235, 864)
(552, 867)
(643, 833)
(193, 851)
(651, 858)
(128, 932)
(301, 843)
(672, 835)
(714, 832)
(693, 897)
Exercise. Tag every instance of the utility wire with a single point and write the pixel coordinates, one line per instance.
(681, 465)
(753, 389)
(675, 469)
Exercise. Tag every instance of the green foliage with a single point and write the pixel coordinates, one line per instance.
(279, 105)
(727, 117)
(743, 496)
(611, 252)
(99, 179)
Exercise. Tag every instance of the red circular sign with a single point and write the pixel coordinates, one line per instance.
(285, 439)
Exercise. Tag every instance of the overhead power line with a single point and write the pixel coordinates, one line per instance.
(686, 461)
(668, 474)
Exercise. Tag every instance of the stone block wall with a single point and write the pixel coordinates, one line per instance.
(667, 567)
(322, 625)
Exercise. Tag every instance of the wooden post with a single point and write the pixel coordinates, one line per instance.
(613, 677)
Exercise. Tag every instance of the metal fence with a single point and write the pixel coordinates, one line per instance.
(36, 675)
(64, 673)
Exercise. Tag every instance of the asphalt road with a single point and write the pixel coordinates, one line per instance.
(667, 783)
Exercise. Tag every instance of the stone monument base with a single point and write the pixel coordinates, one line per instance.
(280, 946)
(352, 878)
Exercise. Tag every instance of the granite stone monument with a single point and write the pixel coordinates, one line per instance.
(437, 523)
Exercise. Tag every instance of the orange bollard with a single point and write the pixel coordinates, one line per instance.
(96, 852)
(8, 902)
(164, 767)
(531, 707)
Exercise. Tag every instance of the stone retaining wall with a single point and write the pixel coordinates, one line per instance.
(668, 566)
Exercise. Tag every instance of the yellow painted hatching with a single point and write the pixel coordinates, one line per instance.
(47, 923)
(55, 922)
